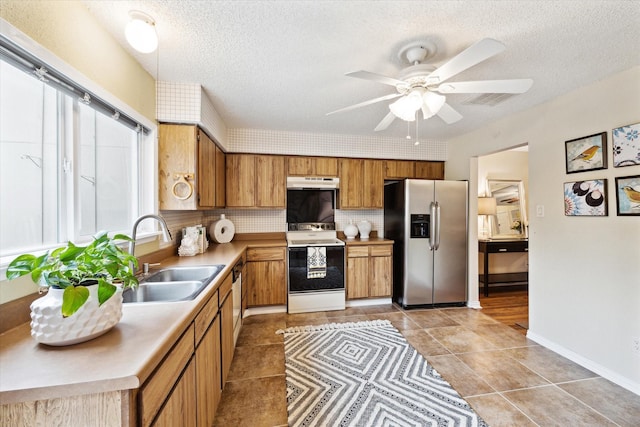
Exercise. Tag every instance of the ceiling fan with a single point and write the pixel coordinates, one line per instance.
(422, 86)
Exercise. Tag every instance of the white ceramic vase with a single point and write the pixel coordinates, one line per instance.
(90, 321)
(365, 228)
(350, 230)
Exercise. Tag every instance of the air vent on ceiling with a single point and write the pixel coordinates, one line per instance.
(490, 99)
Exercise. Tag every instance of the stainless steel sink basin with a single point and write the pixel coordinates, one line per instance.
(173, 284)
(201, 273)
(164, 291)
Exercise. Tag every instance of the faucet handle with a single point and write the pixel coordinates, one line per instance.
(146, 265)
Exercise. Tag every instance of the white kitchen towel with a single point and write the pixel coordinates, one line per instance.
(316, 262)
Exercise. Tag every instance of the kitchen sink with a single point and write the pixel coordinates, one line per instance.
(173, 284)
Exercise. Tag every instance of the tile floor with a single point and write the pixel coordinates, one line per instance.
(508, 379)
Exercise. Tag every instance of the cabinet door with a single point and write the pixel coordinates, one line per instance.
(241, 179)
(180, 408)
(221, 182)
(429, 170)
(206, 170)
(300, 166)
(351, 173)
(270, 181)
(357, 277)
(226, 335)
(380, 271)
(399, 169)
(326, 166)
(176, 157)
(267, 283)
(373, 184)
(209, 374)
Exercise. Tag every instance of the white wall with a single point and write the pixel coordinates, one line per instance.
(584, 281)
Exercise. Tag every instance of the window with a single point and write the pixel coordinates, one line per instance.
(68, 167)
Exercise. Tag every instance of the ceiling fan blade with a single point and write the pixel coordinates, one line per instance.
(365, 103)
(367, 75)
(385, 122)
(487, 86)
(474, 54)
(448, 114)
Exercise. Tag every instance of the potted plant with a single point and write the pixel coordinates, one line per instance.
(85, 288)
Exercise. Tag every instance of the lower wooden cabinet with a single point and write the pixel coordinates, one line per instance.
(226, 335)
(267, 280)
(209, 373)
(369, 271)
(180, 406)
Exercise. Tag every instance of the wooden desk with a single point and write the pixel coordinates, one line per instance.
(498, 246)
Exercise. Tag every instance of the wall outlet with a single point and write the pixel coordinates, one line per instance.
(636, 345)
(540, 211)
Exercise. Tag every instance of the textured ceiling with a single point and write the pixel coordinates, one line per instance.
(280, 64)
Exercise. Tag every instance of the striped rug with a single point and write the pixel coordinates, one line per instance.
(365, 374)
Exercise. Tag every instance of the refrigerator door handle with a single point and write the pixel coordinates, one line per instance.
(432, 227)
(437, 227)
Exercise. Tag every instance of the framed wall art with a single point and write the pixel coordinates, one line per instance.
(628, 195)
(586, 198)
(626, 145)
(587, 153)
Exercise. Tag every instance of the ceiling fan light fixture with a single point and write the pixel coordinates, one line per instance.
(433, 101)
(141, 32)
(406, 107)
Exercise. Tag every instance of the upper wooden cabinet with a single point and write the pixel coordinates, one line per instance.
(190, 169)
(255, 181)
(401, 169)
(312, 166)
(361, 183)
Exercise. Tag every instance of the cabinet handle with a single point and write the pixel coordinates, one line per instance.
(182, 179)
(502, 250)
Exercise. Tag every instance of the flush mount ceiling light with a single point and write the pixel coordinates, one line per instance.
(141, 32)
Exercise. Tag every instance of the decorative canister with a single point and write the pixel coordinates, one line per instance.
(350, 230)
(365, 228)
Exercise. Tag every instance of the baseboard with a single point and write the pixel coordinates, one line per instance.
(474, 304)
(269, 309)
(586, 363)
(368, 301)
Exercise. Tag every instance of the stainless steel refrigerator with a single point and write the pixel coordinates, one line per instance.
(428, 222)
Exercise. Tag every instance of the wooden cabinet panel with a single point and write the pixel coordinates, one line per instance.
(380, 276)
(206, 170)
(221, 181)
(300, 166)
(226, 336)
(373, 184)
(241, 178)
(399, 169)
(205, 317)
(266, 277)
(180, 409)
(157, 388)
(357, 277)
(326, 166)
(209, 373)
(270, 181)
(429, 170)
(351, 173)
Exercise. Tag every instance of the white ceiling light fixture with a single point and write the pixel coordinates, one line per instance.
(141, 32)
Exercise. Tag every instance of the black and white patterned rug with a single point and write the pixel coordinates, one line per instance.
(365, 374)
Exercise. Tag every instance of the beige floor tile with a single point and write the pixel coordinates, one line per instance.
(614, 402)
(304, 319)
(260, 334)
(424, 343)
(397, 319)
(460, 376)
(548, 364)
(257, 361)
(375, 309)
(498, 412)
(254, 402)
(345, 319)
(266, 318)
(349, 311)
(430, 318)
(468, 317)
(458, 339)
(551, 406)
(502, 336)
(501, 371)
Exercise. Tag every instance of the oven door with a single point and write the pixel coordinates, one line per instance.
(333, 280)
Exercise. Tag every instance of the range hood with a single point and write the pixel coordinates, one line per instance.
(303, 182)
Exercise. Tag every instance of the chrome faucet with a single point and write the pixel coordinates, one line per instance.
(166, 235)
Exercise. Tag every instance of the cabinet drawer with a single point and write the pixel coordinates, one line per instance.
(357, 251)
(159, 385)
(205, 317)
(495, 247)
(265, 254)
(380, 250)
(225, 288)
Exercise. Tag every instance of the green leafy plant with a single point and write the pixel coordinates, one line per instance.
(72, 268)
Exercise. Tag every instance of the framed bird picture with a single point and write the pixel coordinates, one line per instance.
(626, 145)
(586, 198)
(628, 195)
(587, 153)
